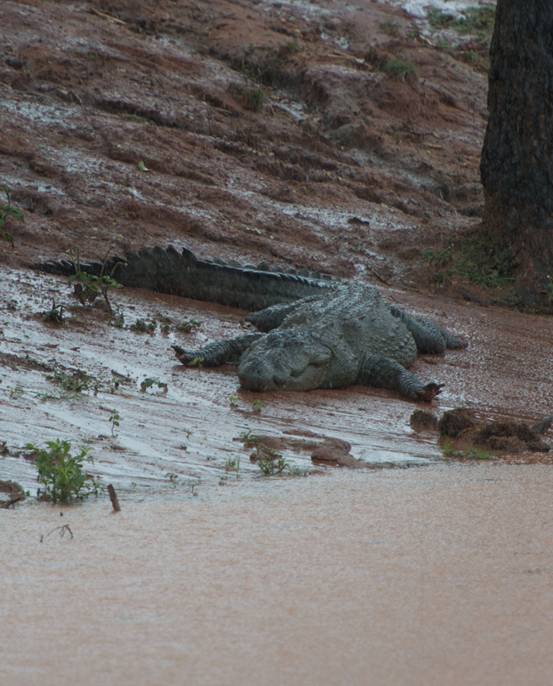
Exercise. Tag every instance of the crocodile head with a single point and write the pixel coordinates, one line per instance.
(291, 359)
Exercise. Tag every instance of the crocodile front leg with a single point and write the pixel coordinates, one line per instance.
(217, 353)
(270, 318)
(383, 372)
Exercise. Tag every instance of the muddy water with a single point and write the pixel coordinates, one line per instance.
(442, 575)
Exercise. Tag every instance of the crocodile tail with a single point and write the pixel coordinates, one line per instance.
(182, 273)
(70, 267)
(453, 341)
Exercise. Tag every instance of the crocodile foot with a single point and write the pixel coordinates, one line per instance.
(184, 356)
(430, 391)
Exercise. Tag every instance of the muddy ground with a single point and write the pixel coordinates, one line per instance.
(254, 131)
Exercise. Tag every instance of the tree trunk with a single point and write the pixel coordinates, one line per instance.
(517, 158)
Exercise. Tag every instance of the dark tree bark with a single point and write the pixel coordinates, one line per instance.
(517, 158)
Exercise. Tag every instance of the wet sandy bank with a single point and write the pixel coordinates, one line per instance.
(434, 575)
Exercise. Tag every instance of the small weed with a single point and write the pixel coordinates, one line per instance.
(16, 392)
(54, 315)
(142, 167)
(154, 385)
(188, 326)
(233, 465)
(233, 401)
(272, 467)
(475, 453)
(449, 451)
(476, 21)
(143, 326)
(470, 56)
(438, 19)
(475, 258)
(74, 382)
(269, 461)
(549, 290)
(270, 66)
(391, 28)
(7, 212)
(196, 362)
(439, 258)
(290, 48)
(118, 320)
(87, 288)
(398, 68)
(248, 439)
(258, 405)
(472, 453)
(115, 422)
(61, 473)
(253, 99)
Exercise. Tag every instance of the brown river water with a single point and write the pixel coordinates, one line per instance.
(432, 576)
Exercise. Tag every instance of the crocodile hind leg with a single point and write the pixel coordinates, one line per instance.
(430, 338)
(217, 353)
(383, 372)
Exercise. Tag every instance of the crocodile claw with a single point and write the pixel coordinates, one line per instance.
(430, 391)
(182, 355)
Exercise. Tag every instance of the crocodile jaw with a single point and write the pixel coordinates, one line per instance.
(284, 361)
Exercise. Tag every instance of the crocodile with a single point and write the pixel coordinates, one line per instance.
(312, 331)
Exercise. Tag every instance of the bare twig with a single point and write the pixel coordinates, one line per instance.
(107, 16)
(114, 499)
(62, 531)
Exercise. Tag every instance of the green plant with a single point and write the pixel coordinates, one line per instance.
(16, 392)
(143, 326)
(475, 258)
(476, 453)
(258, 405)
(188, 326)
(392, 28)
(117, 320)
(7, 212)
(477, 21)
(233, 401)
(253, 99)
(472, 453)
(75, 381)
(272, 465)
(248, 439)
(142, 167)
(115, 421)
(88, 287)
(54, 315)
(398, 68)
(233, 465)
(61, 473)
(153, 384)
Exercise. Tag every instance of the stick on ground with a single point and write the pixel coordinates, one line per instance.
(114, 499)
